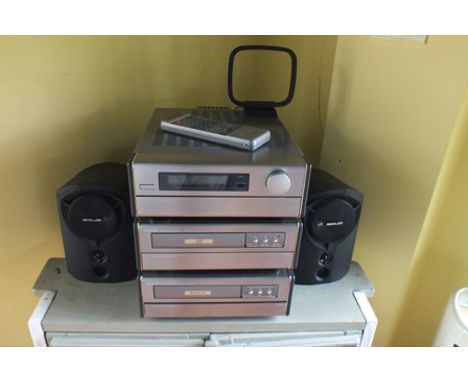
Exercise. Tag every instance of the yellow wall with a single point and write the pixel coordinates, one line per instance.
(306, 117)
(440, 264)
(392, 111)
(68, 102)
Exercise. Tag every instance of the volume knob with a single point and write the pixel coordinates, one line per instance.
(278, 183)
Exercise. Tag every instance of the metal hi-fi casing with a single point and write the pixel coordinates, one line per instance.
(176, 176)
(210, 244)
(217, 228)
(219, 294)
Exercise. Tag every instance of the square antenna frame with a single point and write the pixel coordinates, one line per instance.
(262, 107)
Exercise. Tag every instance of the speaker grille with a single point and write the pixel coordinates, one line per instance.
(94, 217)
(331, 221)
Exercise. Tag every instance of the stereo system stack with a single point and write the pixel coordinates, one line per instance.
(217, 229)
(209, 231)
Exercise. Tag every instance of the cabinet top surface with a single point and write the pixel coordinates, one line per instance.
(155, 145)
(102, 307)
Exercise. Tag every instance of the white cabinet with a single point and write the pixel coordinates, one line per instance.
(75, 313)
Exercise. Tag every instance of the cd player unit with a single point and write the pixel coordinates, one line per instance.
(220, 294)
(209, 244)
(177, 176)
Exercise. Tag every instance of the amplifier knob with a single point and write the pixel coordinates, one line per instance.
(278, 183)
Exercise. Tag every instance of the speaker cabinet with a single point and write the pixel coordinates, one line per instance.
(96, 225)
(330, 225)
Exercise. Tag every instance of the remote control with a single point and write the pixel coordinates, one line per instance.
(232, 134)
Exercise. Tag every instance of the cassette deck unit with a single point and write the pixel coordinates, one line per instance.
(220, 294)
(176, 176)
(208, 244)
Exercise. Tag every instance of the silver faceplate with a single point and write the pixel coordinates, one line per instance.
(178, 244)
(263, 293)
(160, 152)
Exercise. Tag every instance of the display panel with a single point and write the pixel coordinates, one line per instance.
(203, 182)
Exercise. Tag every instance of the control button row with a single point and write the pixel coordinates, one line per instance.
(260, 291)
(265, 240)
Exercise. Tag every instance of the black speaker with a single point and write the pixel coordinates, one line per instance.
(96, 224)
(330, 224)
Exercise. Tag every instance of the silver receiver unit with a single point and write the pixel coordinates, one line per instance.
(222, 294)
(207, 244)
(176, 176)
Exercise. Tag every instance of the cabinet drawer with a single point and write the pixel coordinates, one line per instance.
(123, 339)
(329, 338)
(333, 338)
